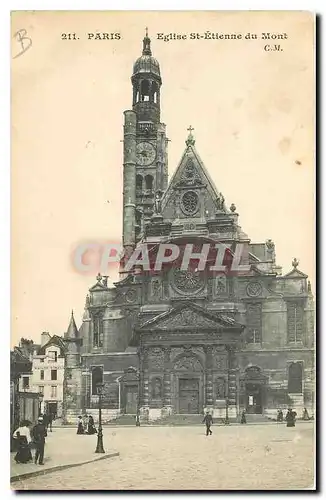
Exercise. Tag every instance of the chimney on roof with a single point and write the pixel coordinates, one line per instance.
(45, 337)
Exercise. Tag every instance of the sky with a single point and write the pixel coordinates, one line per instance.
(253, 114)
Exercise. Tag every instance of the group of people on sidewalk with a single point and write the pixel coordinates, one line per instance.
(27, 437)
(86, 425)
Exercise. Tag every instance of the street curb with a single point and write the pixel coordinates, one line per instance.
(42, 472)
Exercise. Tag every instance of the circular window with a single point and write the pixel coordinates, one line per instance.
(187, 281)
(190, 202)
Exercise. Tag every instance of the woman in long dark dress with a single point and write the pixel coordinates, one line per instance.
(23, 437)
(91, 427)
(80, 428)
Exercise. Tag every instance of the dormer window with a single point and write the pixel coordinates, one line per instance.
(53, 355)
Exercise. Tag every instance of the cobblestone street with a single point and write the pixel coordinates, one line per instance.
(234, 457)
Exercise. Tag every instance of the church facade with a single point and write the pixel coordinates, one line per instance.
(174, 340)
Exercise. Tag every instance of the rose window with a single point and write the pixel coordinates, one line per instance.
(190, 202)
(188, 281)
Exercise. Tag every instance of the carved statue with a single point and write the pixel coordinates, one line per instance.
(158, 202)
(270, 245)
(105, 281)
(220, 202)
(220, 388)
(233, 207)
(295, 263)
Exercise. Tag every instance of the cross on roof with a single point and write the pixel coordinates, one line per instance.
(190, 129)
(146, 31)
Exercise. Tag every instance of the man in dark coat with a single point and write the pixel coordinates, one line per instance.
(290, 418)
(39, 435)
(208, 420)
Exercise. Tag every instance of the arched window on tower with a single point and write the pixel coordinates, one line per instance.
(137, 97)
(144, 90)
(139, 182)
(295, 378)
(154, 92)
(149, 182)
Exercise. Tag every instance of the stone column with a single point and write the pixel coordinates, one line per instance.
(232, 383)
(167, 404)
(144, 406)
(209, 378)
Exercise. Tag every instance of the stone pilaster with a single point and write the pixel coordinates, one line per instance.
(232, 382)
(167, 378)
(209, 377)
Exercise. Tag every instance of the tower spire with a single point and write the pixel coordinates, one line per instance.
(147, 44)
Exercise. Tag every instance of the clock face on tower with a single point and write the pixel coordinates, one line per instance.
(146, 153)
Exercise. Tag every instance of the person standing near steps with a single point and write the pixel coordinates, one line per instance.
(39, 435)
(208, 420)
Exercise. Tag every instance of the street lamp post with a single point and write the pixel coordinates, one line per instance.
(40, 400)
(138, 402)
(99, 447)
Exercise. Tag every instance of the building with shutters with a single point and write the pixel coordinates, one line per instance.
(182, 341)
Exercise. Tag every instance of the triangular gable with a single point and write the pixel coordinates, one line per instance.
(190, 316)
(191, 172)
(295, 273)
(98, 287)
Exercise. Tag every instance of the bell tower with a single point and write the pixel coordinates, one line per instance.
(145, 174)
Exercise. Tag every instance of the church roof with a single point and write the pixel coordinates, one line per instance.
(72, 332)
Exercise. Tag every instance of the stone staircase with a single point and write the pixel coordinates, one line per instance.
(123, 420)
(256, 418)
(179, 419)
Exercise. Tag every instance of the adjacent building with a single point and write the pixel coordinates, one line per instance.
(47, 373)
(182, 341)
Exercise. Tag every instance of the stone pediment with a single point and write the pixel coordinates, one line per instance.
(295, 273)
(190, 317)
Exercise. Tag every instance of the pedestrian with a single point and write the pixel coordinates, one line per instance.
(208, 420)
(290, 418)
(305, 415)
(279, 417)
(23, 437)
(39, 434)
(50, 420)
(45, 420)
(90, 426)
(243, 417)
(80, 427)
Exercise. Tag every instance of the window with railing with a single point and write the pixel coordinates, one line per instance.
(41, 389)
(42, 374)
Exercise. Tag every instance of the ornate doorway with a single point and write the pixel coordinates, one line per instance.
(188, 395)
(254, 398)
(188, 384)
(131, 399)
(254, 386)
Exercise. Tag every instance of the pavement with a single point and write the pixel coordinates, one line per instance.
(62, 450)
(248, 457)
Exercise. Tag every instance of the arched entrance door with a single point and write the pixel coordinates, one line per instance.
(254, 386)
